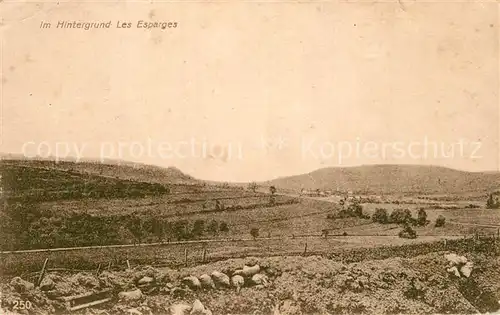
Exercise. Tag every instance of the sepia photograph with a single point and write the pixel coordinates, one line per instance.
(249, 157)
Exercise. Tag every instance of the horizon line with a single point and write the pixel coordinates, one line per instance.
(123, 162)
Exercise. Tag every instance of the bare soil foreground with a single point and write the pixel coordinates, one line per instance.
(453, 282)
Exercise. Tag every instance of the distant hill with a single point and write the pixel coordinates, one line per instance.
(38, 182)
(376, 179)
(110, 168)
(393, 179)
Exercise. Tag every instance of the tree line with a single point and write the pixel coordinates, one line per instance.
(24, 226)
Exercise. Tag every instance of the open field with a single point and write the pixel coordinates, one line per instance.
(156, 217)
(162, 206)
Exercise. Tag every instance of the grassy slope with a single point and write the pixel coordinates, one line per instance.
(114, 169)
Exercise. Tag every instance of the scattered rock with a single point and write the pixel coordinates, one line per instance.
(466, 269)
(237, 281)
(192, 282)
(47, 284)
(169, 285)
(207, 282)
(459, 265)
(220, 279)
(133, 311)
(180, 309)
(145, 280)
(260, 279)
(454, 270)
(115, 280)
(130, 295)
(21, 285)
(248, 271)
(198, 308)
(86, 280)
(178, 292)
(287, 307)
(454, 259)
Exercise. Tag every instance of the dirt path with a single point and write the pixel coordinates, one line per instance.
(474, 224)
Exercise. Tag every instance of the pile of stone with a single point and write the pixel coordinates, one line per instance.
(247, 276)
(196, 309)
(459, 266)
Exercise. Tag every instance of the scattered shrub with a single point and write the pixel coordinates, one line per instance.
(422, 217)
(380, 216)
(212, 228)
(198, 228)
(254, 232)
(223, 227)
(401, 216)
(354, 210)
(492, 202)
(440, 220)
(407, 232)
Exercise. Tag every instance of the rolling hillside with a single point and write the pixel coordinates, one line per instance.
(391, 179)
(44, 204)
(110, 168)
(38, 181)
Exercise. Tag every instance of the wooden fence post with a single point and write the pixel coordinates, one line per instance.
(98, 269)
(204, 255)
(128, 264)
(305, 248)
(42, 274)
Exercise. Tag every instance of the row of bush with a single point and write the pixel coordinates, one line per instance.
(272, 203)
(404, 216)
(397, 216)
(354, 210)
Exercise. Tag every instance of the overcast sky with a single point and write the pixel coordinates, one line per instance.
(272, 89)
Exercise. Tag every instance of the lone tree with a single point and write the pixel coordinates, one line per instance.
(355, 209)
(252, 186)
(254, 232)
(198, 228)
(422, 217)
(401, 216)
(325, 233)
(272, 198)
(342, 202)
(407, 232)
(223, 227)
(272, 190)
(380, 216)
(219, 205)
(212, 228)
(440, 221)
(180, 230)
(492, 203)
